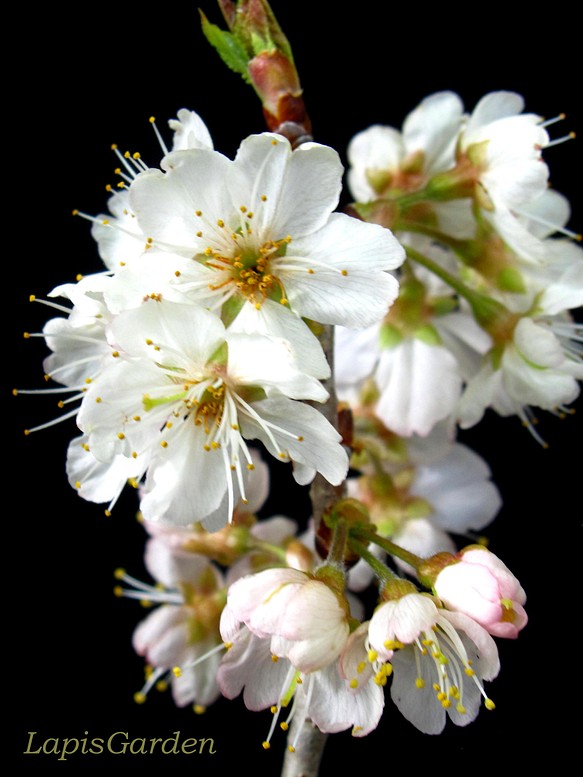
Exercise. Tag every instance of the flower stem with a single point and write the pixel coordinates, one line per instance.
(394, 550)
(383, 573)
(488, 312)
(339, 539)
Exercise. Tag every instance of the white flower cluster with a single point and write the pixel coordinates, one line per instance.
(200, 337)
(484, 315)
(196, 337)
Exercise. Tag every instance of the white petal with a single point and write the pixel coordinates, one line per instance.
(348, 284)
(319, 447)
(433, 128)
(278, 321)
(258, 360)
(420, 385)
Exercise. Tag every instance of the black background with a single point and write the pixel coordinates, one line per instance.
(95, 75)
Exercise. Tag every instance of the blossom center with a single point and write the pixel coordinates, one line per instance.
(249, 271)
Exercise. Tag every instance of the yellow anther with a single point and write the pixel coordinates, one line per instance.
(507, 604)
(284, 726)
(177, 273)
(446, 703)
(137, 418)
(275, 659)
(273, 709)
(145, 603)
(291, 748)
(206, 447)
(121, 436)
(107, 513)
(250, 467)
(208, 251)
(139, 697)
(235, 427)
(85, 447)
(489, 704)
(14, 392)
(98, 400)
(220, 223)
(115, 354)
(31, 298)
(228, 645)
(215, 445)
(127, 155)
(361, 667)
(161, 686)
(354, 683)
(118, 591)
(265, 745)
(177, 671)
(74, 212)
(372, 655)
(133, 482)
(26, 335)
(243, 209)
(263, 198)
(300, 438)
(164, 444)
(469, 671)
(152, 119)
(282, 455)
(441, 696)
(461, 709)
(310, 271)
(77, 484)
(436, 687)
(199, 709)
(420, 682)
(60, 404)
(148, 341)
(299, 681)
(134, 454)
(113, 146)
(105, 222)
(108, 187)
(283, 301)
(136, 155)
(274, 142)
(344, 272)
(120, 185)
(79, 277)
(198, 212)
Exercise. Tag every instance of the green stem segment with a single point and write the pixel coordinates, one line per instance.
(383, 573)
(338, 546)
(392, 549)
(489, 313)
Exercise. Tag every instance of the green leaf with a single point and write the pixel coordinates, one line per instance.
(229, 48)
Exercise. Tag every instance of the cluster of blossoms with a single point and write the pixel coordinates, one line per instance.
(449, 292)
(252, 610)
(483, 318)
(196, 338)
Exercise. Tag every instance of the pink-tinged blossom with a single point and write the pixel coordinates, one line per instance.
(482, 587)
(303, 617)
(180, 638)
(439, 661)
(266, 680)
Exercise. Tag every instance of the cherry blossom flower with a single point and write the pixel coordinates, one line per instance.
(185, 394)
(262, 233)
(540, 364)
(180, 639)
(305, 619)
(478, 584)
(268, 681)
(439, 661)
